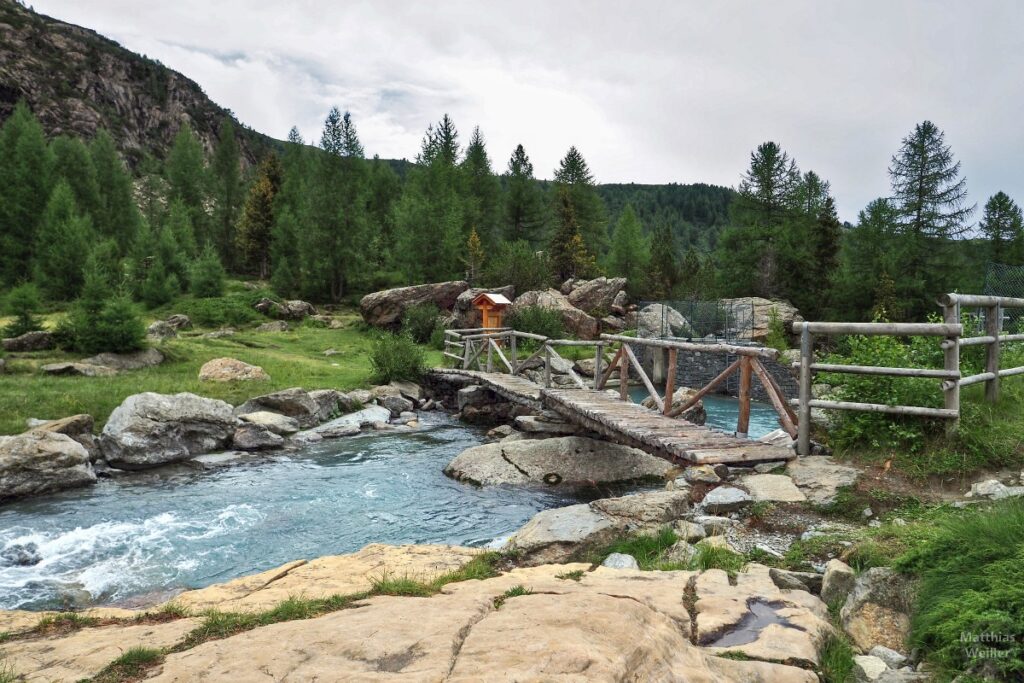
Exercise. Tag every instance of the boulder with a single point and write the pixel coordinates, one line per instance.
(695, 414)
(179, 321)
(295, 402)
(837, 582)
(803, 581)
(892, 659)
(38, 462)
(877, 610)
(78, 427)
(350, 424)
(254, 437)
(468, 316)
(231, 370)
(411, 390)
(597, 295)
(160, 331)
(701, 474)
(275, 326)
(620, 561)
(689, 531)
(575, 321)
(619, 303)
(149, 429)
(30, 341)
(993, 489)
(612, 324)
(659, 320)
(867, 669)
(77, 370)
(289, 310)
(726, 499)
(554, 535)
(275, 422)
(385, 308)
(752, 315)
(396, 404)
(533, 424)
(772, 488)
(681, 552)
(820, 477)
(297, 309)
(568, 460)
(331, 403)
(644, 511)
(136, 360)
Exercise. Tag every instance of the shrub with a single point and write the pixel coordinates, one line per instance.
(158, 288)
(420, 321)
(119, 328)
(234, 310)
(776, 338)
(972, 582)
(537, 320)
(22, 303)
(396, 357)
(206, 279)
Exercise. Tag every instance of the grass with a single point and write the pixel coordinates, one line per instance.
(574, 575)
(714, 557)
(130, 666)
(64, 621)
(7, 672)
(646, 549)
(836, 660)
(513, 592)
(293, 358)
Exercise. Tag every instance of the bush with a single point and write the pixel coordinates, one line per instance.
(113, 325)
(972, 582)
(233, 310)
(206, 278)
(158, 288)
(776, 338)
(396, 357)
(536, 320)
(22, 303)
(420, 321)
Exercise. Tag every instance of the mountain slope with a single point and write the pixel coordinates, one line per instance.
(76, 82)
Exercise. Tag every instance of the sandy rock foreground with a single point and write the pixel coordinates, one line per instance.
(561, 622)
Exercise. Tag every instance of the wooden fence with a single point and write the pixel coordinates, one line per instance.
(993, 339)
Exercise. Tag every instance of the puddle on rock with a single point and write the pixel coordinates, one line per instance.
(759, 616)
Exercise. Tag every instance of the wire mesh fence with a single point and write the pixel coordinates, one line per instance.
(712, 321)
(1005, 280)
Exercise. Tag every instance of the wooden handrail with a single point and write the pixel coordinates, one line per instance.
(724, 349)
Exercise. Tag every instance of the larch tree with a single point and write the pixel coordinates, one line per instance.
(186, 174)
(1002, 226)
(525, 213)
(228, 193)
(630, 253)
(483, 191)
(256, 225)
(665, 273)
(570, 257)
(574, 176)
(63, 240)
(866, 253)
(73, 163)
(117, 216)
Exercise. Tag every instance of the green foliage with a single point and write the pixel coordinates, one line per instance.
(574, 188)
(836, 660)
(119, 327)
(972, 582)
(421, 321)
(207, 277)
(630, 253)
(525, 214)
(574, 575)
(116, 217)
(232, 311)
(645, 549)
(520, 265)
(570, 257)
(776, 338)
(227, 189)
(714, 557)
(23, 303)
(536, 320)
(255, 230)
(514, 592)
(64, 235)
(396, 357)
(131, 665)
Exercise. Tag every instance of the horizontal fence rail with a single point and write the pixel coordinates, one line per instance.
(993, 339)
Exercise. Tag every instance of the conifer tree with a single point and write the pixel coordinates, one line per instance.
(22, 303)
(63, 238)
(256, 225)
(867, 250)
(187, 180)
(630, 253)
(284, 254)
(1003, 227)
(206, 279)
(26, 177)
(665, 268)
(117, 217)
(525, 214)
(228, 193)
(179, 224)
(570, 257)
(350, 144)
(474, 257)
(73, 163)
(483, 191)
(573, 174)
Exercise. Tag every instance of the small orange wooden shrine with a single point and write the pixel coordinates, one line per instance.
(492, 308)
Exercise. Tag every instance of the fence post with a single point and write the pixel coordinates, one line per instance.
(547, 365)
(624, 374)
(803, 442)
(951, 361)
(670, 379)
(467, 350)
(993, 326)
(490, 354)
(512, 351)
(743, 421)
(598, 363)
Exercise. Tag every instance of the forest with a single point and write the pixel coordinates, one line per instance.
(324, 222)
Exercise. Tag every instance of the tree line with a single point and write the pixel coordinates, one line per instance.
(324, 222)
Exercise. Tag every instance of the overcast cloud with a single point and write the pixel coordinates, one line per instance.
(651, 92)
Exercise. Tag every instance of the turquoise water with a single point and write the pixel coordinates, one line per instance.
(724, 410)
(148, 534)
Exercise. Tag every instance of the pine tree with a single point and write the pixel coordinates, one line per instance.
(332, 139)
(573, 174)
(73, 163)
(630, 253)
(1003, 227)
(665, 270)
(63, 238)
(26, 180)
(440, 144)
(228, 193)
(283, 254)
(118, 216)
(206, 279)
(525, 214)
(256, 225)
(570, 257)
(350, 144)
(186, 176)
(179, 224)
(23, 303)
(482, 189)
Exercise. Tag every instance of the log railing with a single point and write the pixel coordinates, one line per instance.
(993, 339)
(950, 330)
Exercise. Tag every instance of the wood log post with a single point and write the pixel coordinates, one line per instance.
(623, 374)
(803, 441)
(466, 350)
(993, 326)
(670, 380)
(547, 365)
(598, 362)
(512, 351)
(490, 354)
(743, 421)
(951, 362)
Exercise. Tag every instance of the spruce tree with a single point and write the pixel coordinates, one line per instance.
(179, 223)
(206, 279)
(228, 193)
(525, 213)
(570, 257)
(665, 269)
(74, 164)
(26, 180)
(256, 225)
(1002, 226)
(483, 192)
(117, 217)
(186, 177)
(574, 176)
(64, 236)
(630, 253)
(23, 303)
(867, 250)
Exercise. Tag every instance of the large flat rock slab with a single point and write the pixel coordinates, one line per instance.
(772, 488)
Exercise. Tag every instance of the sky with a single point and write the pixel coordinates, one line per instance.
(650, 92)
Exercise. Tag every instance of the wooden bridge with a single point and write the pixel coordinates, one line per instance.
(659, 432)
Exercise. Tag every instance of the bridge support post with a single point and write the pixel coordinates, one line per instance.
(803, 439)
(670, 381)
(743, 421)
(658, 366)
(624, 375)
(598, 366)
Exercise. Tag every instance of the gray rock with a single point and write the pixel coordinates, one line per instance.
(689, 531)
(804, 581)
(658, 320)
(819, 477)
(78, 427)
(554, 535)
(837, 582)
(295, 402)
(151, 429)
(396, 404)
(772, 488)
(563, 460)
(410, 390)
(275, 422)
(596, 295)
(696, 414)
(500, 432)
(350, 424)
(620, 561)
(644, 511)
(714, 525)
(136, 360)
(474, 396)
(877, 610)
(769, 467)
(892, 659)
(39, 462)
(20, 555)
(161, 331)
(30, 341)
(726, 499)
(254, 437)
(903, 676)
(179, 321)
(535, 425)
(77, 369)
(993, 489)
(332, 403)
(681, 552)
(867, 669)
(701, 474)
(385, 308)
(275, 326)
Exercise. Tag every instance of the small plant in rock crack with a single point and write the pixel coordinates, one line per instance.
(513, 592)
(574, 575)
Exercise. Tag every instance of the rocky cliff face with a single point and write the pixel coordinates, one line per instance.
(76, 82)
